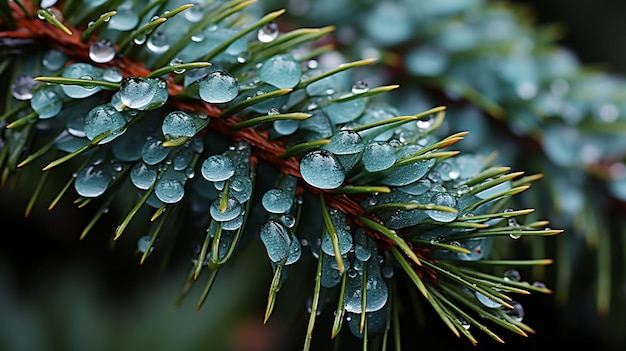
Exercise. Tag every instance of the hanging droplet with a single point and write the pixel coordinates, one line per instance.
(321, 169)
(517, 313)
(143, 176)
(158, 43)
(276, 239)
(486, 301)
(276, 201)
(217, 168)
(92, 181)
(140, 39)
(101, 51)
(359, 87)
(268, 32)
(194, 13)
(143, 243)
(23, 86)
(169, 187)
(177, 61)
(218, 87)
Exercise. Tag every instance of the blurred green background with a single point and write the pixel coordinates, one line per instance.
(61, 293)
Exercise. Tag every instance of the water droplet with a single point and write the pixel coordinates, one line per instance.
(517, 313)
(125, 19)
(92, 181)
(512, 275)
(218, 87)
(442, 199)
(281, 71)
(217, 168)
(46, 102)
(378, 156)
(487, 302)
(101, 51)
(321, 169)
(112, 74)
(153, 151)
(240, 188)
(54, 59)
(360, 87)
(276, 239)
(464, 323)
(276, 201)
(345, 242)
(23, 86)
(268, 32)
(140, 38)
(158, 43)
(233, 209)
(143, 93)
(194, 13)
(104, 118)
(143, 176)
(178, 124)
(143, 243)
(170, 189)
(177, 61)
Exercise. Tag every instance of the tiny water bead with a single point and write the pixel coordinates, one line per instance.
(276, 201)
(268, 32)
(101, 51)
(217, 168)
(276, 239)
(104, 118)
(23, 86)
(218, 87)
(281, 71)
(321, 169)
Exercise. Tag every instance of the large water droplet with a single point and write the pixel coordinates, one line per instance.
(104, 118)
(345, 242)
(170, 188)
(143, 93)
(178, 124)
(276, 239)
(92, 181)
(217, 168)
(276, 201)
(343, 112)
(378, 156)
(321, 169)
(232, 210)
(218, 87)
(46, 102)
(281, 71)
(487, 302)
(442, 199)
(143, 176)
(268, 32)
(83, 71)
(101, 51)
(153, 151)
(347, 147)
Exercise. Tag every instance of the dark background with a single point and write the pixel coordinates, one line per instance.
(61, 293)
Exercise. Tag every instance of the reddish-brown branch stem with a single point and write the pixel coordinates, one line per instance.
(263, 148)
